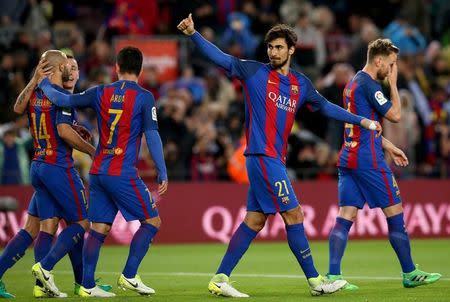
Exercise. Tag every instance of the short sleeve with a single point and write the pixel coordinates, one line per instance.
(149, 115)
(314, 100)
(377, 99)
(243, 69)
(64, 116)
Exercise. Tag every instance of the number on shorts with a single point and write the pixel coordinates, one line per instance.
(280, 185)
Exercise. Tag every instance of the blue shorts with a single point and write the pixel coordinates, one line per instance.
(376, 187)
(59, 193)
(32, 206)
(109, 194)
(270, 189)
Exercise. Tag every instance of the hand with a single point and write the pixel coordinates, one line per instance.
(83, 132)
(187, 26)
(372, 125)
(398, 156)
(42, 70)
(392, 76)
(162, 187)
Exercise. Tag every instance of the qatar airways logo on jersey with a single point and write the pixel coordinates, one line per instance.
(282, 102)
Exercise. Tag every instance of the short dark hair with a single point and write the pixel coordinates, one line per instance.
(129, 60)
(380, 47)
(281, 31)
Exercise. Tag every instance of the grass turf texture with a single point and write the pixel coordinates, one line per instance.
(268, 272)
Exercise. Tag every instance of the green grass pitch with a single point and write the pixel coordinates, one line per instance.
(268, 272)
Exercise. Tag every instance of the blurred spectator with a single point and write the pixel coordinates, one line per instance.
(149, 80)
(337, 42)
(368, 33)
(236, 166)
(14, 162)
(125, 20)
(238, 40)
(339, 76)
(145, 164)
(175, 163)
(39, 13)
(203, 163)
(262, 15)
(219, 93)
(310, 49)
(406, 133)
(404, 35)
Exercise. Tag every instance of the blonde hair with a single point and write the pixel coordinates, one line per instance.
(54, 57)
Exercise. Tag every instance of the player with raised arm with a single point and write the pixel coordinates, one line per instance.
(125, 111)
(273, 94)
(364, 175)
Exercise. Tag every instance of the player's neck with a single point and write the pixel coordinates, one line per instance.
(370, 71)
(284, 70)
(56, 79)
(127, 77)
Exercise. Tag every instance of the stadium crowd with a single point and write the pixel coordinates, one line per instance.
(201, 113)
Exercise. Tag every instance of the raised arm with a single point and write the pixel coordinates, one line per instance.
(394, 113)
(208, 49)
(83, 99)
(41, 71)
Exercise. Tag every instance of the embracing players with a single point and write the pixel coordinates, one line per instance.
(125, 111)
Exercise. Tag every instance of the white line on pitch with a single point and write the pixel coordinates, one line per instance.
(195, 274)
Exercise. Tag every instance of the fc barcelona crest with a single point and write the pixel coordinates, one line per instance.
(294, 89)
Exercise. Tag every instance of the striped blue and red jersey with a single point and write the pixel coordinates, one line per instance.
(120, 108)
(43, 119)
(361, 148)
(271, 100)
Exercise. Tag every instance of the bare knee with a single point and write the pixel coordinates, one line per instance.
(293, 216)
(101, 228)
(155, 221)
(348, 213)
(255, 220)
(32, 226)
(50, 225)
(393, 210)
(84, 224)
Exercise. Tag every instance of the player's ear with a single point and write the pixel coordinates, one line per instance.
(140, 72)
(378, 61)
(117, 68)
(291, 50)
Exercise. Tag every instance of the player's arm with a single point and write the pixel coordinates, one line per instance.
(41, 71)
(394, 113)
(318, 103)
(154, 144)
(64, 120)
(395, 153)
(83, 99)
(73, 139)
(208, 49)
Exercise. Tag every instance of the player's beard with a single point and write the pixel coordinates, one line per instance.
(381, 75)
(277, 66)
(65, 74)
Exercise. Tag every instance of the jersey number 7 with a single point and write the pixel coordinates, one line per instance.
(117, 114)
